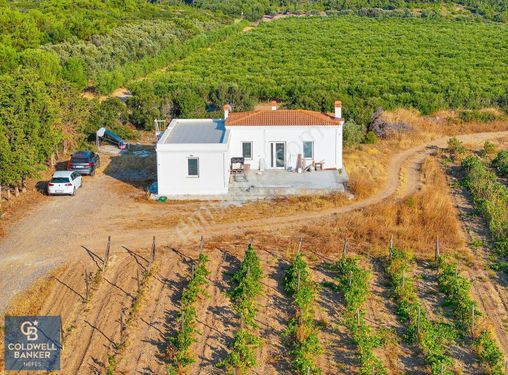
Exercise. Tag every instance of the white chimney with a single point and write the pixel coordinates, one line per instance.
(338, 109)
(274, 105)
(227, 109)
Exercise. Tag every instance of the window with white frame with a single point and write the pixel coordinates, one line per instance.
(308, 150)
(192, 167)
(247, 150)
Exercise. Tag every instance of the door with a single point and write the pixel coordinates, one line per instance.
(278, 154)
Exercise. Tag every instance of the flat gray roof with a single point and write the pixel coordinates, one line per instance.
(197, 131)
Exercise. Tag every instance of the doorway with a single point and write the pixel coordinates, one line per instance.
(278, 155)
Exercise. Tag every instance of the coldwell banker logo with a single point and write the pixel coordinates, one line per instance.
(32, 343)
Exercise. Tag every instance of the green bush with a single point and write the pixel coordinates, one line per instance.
(353, 133)
(500, 163)
(370, 138)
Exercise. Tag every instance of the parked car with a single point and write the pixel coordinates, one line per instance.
(84, 162)
(64, 183)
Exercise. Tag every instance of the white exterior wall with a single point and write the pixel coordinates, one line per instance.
(327, 143)
(172, 169)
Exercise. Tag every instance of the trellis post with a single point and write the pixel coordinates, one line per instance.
(154, 249)
(472, 319)
(437, 249)
(418, 320)
(108, 249)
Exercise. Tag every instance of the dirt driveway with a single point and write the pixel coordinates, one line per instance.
(59, 228)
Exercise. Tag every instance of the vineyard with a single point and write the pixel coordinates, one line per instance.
(216, 309)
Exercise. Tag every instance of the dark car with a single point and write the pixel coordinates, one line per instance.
(84, 162)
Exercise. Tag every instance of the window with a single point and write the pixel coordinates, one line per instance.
(247, 150)
(59, 180)
(193, 167)
(308, 150)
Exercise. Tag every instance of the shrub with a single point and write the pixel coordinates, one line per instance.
(353, 133)
(370, 138)
(501, 163)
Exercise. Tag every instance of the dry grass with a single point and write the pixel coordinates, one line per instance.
(366, 166)
(280, 206)
(414, 222)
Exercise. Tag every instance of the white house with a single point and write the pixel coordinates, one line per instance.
(194, 156)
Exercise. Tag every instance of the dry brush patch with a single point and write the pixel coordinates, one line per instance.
(415, 222)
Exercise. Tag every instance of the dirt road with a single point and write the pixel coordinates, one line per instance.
(60, 227)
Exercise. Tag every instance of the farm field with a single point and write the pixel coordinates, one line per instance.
(367, 63)
(127, 317)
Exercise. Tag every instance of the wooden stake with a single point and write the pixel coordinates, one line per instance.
(122, 328)
(300, 246)
(138, 280)
(350, 278)
(202, 245)
(154, 249)
(87, 286)
(418, 319)
(106, 256)
(391, 247)
(472, 319)
(358, 317)
(344, 248)
(298, 281)
(183, 321)
(437, 249)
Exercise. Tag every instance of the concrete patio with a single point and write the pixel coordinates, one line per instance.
(276, 183)
(271, 183)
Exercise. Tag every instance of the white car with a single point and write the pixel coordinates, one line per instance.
(64, 182)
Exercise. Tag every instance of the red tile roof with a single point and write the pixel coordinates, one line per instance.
(281, 117)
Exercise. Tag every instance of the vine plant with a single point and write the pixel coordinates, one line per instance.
(179, 350)
(457, 291)
(433, 337)
(353, 283)
(302, 328)
(247, 287)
